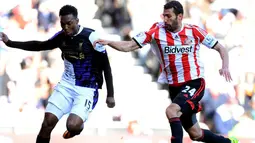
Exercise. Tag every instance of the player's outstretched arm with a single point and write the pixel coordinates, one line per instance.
(29, 45)
(124, 46)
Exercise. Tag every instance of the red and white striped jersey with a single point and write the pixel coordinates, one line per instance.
(178, 53)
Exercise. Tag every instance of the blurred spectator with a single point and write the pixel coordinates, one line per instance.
(25, 93)
(227, 116)
(249, 87)
(4, 78)
(43, 88)
(246, 121)
(251, 111)
(116, 14)
(213, 98)
(46, 18)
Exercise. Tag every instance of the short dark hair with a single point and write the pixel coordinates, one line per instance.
(176, 5)
(68, 9)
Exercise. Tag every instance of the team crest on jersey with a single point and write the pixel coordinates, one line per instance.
(80, 46)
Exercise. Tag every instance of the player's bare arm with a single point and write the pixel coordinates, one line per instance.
(110, 101)
(29, 45)
(224, 71)
(124, 46)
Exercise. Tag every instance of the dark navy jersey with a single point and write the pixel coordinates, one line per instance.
(83, 63)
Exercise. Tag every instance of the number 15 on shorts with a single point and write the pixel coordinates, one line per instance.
(88, 104)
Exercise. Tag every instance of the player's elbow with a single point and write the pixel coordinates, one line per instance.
(129, 48)
(220, 48)
(126, 49)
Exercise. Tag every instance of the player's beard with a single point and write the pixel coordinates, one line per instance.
(172, 27)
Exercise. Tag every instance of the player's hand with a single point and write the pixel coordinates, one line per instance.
(4, 37)
(101, 42)
(110, 101)
(226, 74)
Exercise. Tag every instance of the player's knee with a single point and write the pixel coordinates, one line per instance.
(49, 121)
(196, 134)
(173, 110)
(74, 127)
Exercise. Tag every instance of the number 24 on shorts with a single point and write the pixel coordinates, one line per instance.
(87, 104)
(189, 90)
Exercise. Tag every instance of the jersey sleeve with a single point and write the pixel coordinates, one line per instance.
(205, 38)
(49, 44)
(144, 38)
(93, 37)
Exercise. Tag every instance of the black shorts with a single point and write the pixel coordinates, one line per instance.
(187, 96)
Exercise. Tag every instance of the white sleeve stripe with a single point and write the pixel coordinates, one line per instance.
(92, 38)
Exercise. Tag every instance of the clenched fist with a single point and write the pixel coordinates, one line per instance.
(110, 101)
(4, 37)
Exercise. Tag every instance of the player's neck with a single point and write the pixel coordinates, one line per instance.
(77, 29)
(178, 29)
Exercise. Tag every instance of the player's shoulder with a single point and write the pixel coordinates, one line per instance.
(197, 29)
(57, 34)
(190, 26)
(157, 25)
(87, 31)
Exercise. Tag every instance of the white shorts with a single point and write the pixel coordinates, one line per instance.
(68, 98)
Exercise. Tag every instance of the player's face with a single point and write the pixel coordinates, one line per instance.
(172, 21)
(69, 24)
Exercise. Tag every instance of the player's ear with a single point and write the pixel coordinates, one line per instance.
(180, 16)
(77, 20)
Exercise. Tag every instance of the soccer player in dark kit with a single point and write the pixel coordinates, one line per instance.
(77, 91)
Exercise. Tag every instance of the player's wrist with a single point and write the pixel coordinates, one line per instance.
(225, 67)
(110, 95)
(7, 42)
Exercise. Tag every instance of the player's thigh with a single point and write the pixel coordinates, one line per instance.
(190, 95)
(59, 102)
(83, 102)
(173, 92)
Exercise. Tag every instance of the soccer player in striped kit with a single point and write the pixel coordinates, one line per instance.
(176, 46)
(77, 91)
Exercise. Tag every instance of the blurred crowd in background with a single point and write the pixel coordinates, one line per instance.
(27, 78)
